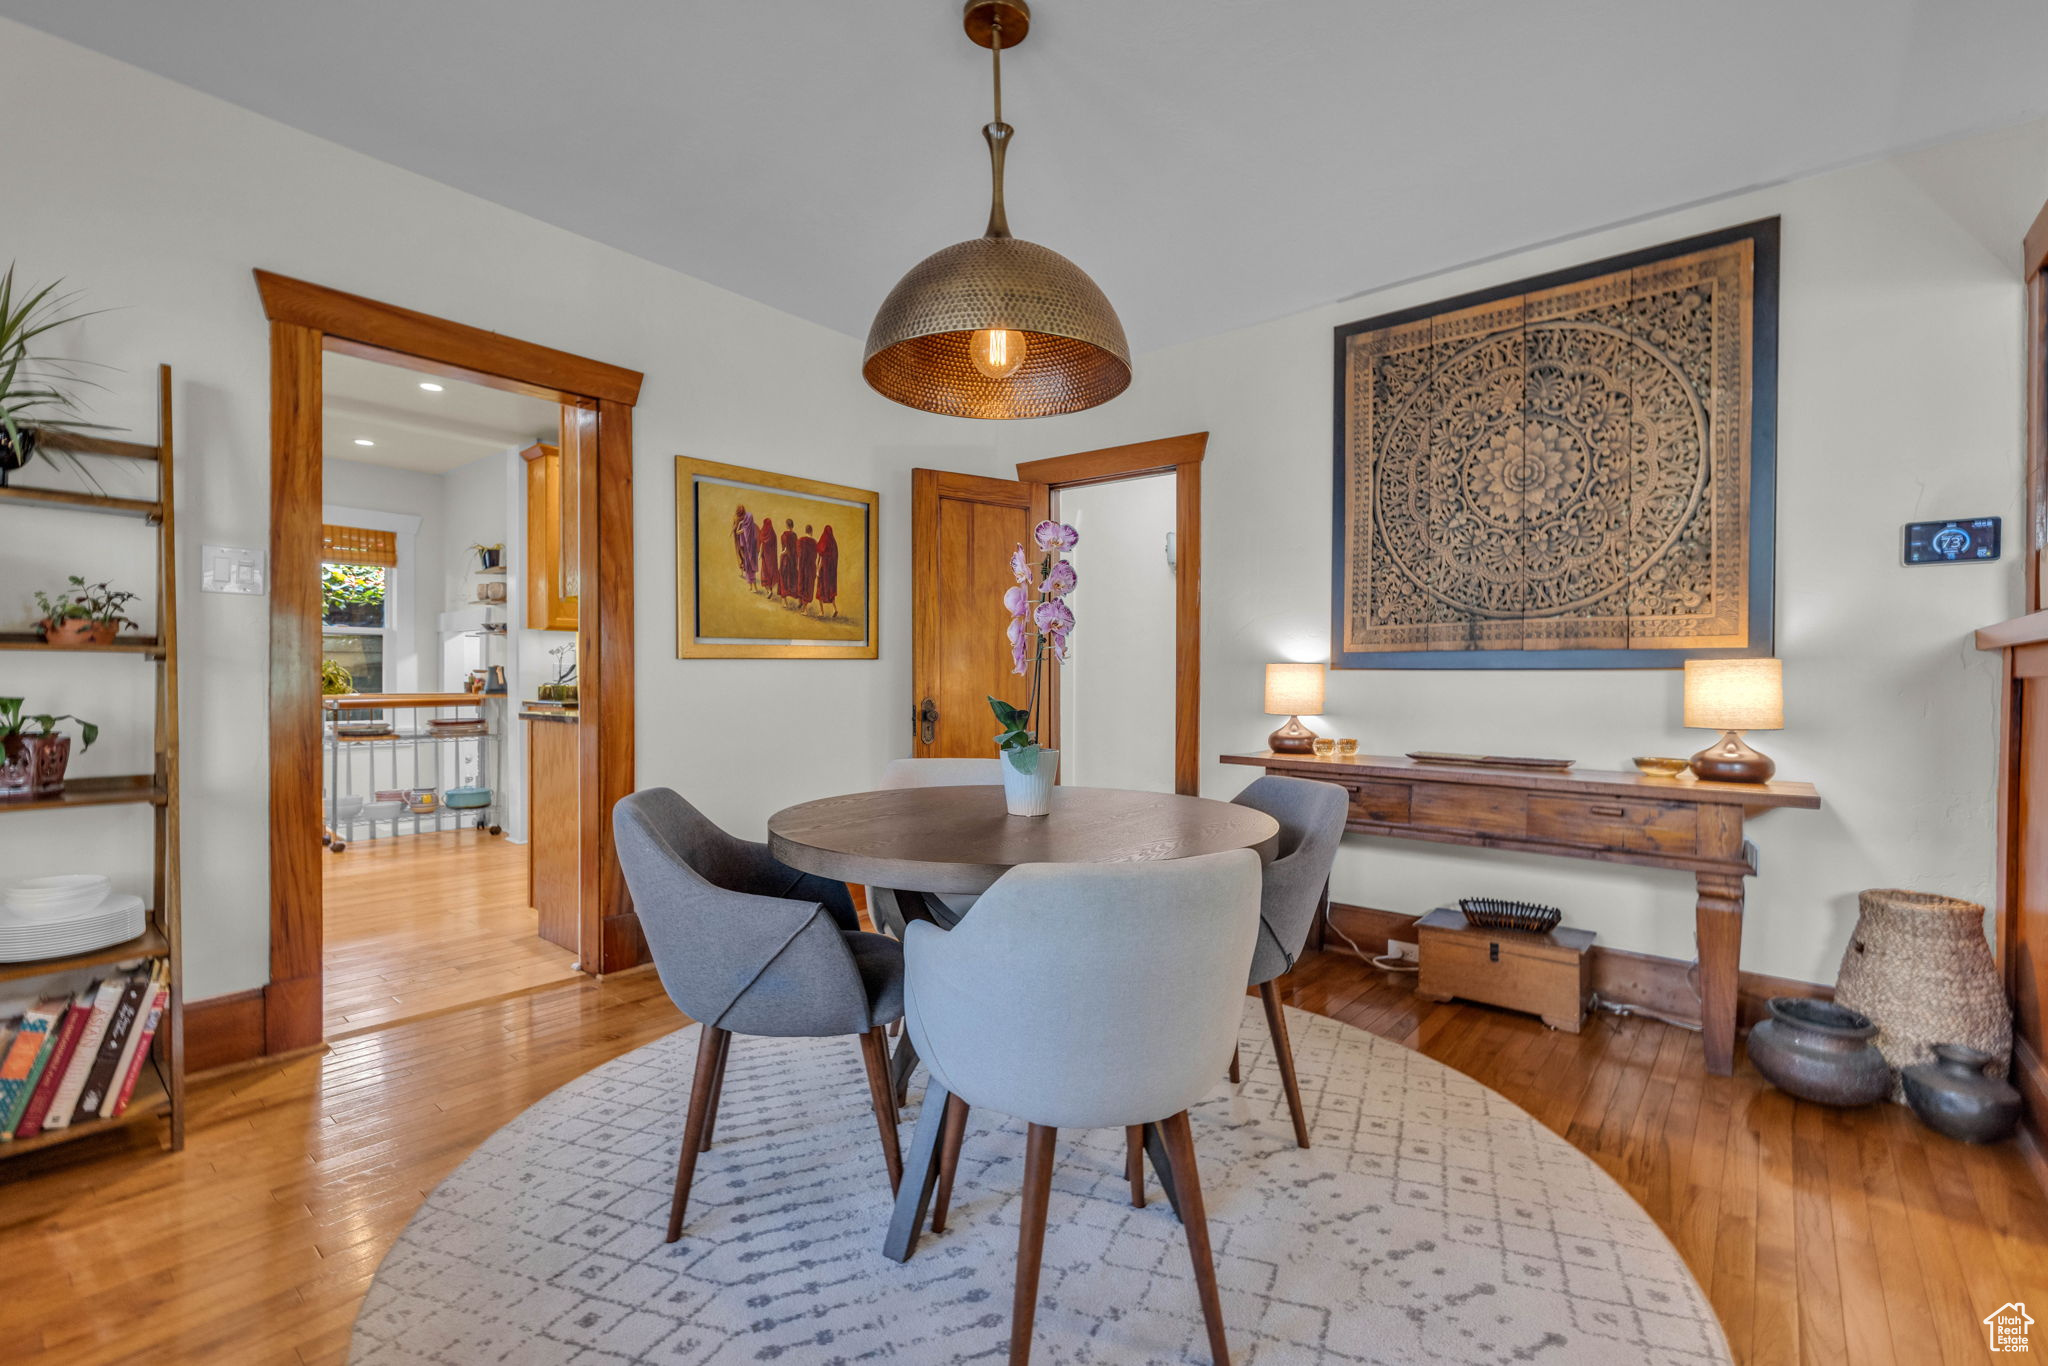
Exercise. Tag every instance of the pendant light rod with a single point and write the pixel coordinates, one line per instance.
(995, 25)
(998, 135)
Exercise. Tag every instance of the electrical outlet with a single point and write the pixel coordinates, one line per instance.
(1403, 950)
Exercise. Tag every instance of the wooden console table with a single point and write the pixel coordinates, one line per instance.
(1676, 823)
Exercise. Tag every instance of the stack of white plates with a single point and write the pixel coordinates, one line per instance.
(52, 898)
(115, 918)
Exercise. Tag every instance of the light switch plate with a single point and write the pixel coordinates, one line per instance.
(230, 569)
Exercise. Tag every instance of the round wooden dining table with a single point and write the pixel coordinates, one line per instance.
(911, 842)
(961, 839)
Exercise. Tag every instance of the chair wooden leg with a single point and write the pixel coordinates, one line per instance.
(717, 1091)
(1134, 1162)
(1180, 1143)
(874, 1055)
(949, 1159)
(1283, 1051)
(1038, 1146)
(1236, 1067)
(710, 1042)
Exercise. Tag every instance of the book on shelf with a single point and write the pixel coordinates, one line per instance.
(137, 1056)
(99, 1014)
(28, 1053)
(65, 1046)
(101, 1079)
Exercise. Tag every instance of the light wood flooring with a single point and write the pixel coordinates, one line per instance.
(1821, 1236)
(420, 924)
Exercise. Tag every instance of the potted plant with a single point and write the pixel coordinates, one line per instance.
(35, 390)
(1040, 623)
(490, 556)
(335, 681)
(84, 614)
(563, 689)
(33, 755)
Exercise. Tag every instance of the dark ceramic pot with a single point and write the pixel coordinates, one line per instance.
(14, 454)
(1953, 1097)
(49, 756)
(1819, 1051)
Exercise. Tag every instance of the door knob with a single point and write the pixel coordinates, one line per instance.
(927, 719)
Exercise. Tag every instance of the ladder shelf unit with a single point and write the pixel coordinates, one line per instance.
(160, 1089)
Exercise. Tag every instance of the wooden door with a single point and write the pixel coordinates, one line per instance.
(963, 528)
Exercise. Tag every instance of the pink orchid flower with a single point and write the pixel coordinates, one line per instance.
(1018, 601)
(1020, 645)
(1053, 615)
(1060, 580)
(1052, 535)
(1020, 565)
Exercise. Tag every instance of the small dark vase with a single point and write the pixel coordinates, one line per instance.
(49, 756)
(1953, 1097)
(490, 556)
(1819, 1051)
(14, 454)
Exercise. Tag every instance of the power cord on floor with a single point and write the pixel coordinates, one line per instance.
(1385, 960)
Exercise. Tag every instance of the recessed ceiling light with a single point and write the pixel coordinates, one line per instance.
(364, 441)
(430, 386)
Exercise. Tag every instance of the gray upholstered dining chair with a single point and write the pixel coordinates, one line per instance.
(745, 944)
(882, 908)
(1311, 816)
(1087, 996)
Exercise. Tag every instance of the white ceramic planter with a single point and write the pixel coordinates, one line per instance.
(1030, 794)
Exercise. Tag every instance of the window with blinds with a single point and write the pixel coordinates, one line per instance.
(358, 545)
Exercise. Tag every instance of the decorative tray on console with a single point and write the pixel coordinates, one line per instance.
(1431, 756)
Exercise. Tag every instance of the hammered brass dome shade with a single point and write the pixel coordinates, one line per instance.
(1075, 355)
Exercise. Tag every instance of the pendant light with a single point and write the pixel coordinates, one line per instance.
(997, 327)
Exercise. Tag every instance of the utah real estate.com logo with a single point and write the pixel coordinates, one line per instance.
(2007, 1327)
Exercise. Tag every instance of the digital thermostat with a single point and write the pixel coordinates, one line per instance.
(1966, 540)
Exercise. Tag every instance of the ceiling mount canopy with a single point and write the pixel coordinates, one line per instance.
(997, 327)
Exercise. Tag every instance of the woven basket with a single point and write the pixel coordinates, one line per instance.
(1918, 965)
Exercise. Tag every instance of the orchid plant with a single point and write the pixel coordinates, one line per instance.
(1040, 624)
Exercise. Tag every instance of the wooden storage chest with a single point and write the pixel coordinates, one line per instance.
(1550, 975)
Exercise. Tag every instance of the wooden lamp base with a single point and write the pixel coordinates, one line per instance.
(1729, 760)
(1292, 738)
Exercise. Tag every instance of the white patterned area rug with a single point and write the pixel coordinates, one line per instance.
(1433, 1221)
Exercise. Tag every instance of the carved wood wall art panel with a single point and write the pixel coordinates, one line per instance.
(1573, 471)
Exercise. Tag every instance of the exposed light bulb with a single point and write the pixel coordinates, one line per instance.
(996, 352)
(364, 441)
(430, 386)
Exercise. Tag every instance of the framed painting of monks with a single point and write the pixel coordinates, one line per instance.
(769, 566)
(1574, 471)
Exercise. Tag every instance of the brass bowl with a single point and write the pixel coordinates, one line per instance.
(1659, 767)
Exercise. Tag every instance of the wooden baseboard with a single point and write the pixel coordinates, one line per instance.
(223, 1030)
(1624, 977)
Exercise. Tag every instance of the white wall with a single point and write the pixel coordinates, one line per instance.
(1116, 689)
(158, 201)
(1899, 399)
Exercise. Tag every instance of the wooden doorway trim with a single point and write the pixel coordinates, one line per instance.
(1180, 456)
(306, 319)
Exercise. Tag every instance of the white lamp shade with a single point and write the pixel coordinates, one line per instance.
(1734, 694)
(1294, 689)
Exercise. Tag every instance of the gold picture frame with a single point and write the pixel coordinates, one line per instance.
(820, 540)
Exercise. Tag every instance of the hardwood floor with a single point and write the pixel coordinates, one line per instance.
(1821, 1236)
(421, 924)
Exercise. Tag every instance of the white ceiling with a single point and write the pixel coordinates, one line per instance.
(416, 429)
(1212, 163)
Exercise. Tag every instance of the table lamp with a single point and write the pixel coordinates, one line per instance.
(1732, 696)
(1292, 689)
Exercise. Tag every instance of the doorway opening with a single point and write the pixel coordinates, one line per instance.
(451, 526)
(430, 649)
(1145, 539)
